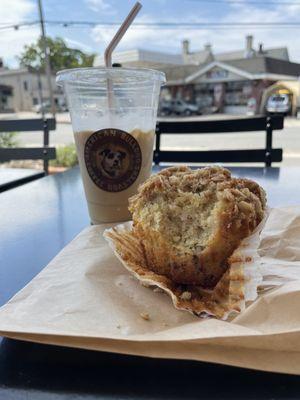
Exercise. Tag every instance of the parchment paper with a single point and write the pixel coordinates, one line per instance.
(85, 298)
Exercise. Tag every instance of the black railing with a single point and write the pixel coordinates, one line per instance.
(254, 124)
(44, 153)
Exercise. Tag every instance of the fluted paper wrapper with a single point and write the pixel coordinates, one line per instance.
(237, 286)
(86, 298)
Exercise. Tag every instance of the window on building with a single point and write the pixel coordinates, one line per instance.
(7, 92)
(204, 94)
(25, 85)
(40, 85)
(35, 101)
(237, 93)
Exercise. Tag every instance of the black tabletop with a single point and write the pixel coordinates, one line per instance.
(37, 220)
(12, 177)
(9, 174)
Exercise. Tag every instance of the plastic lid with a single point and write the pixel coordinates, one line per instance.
(98, 76)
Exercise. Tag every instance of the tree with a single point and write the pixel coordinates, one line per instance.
(61, 56)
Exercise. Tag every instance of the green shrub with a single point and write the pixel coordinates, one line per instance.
(8, 139)
(65, 156)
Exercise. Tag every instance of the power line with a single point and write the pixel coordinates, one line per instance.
(159, 25)
(197, 28)
(175, 24)
(16, 26)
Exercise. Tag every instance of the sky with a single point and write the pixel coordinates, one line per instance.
(95, 39)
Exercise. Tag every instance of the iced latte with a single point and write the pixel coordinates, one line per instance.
(113, 113)
(113, 163)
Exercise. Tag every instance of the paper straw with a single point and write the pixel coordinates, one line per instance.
(121, 31)
(113, 44)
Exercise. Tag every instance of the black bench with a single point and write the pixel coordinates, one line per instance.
(266, 155)
(44, 153)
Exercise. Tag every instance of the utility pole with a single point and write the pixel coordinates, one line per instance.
(47, 60)
(40, 89)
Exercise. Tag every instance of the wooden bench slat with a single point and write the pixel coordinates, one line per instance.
(24, 153)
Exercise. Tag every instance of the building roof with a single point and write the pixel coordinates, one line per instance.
(258, 67)
(262, 64)
(278, 52)
(179, 72)
(198, 57)
(255, 65)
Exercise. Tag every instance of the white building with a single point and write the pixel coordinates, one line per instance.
(142, 58)
(28, 89)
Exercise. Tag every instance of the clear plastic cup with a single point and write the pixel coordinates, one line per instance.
(113, 113)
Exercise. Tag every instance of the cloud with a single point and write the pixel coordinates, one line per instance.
(16, 10)
(13, 41)
(169, 40)
(19, 39)
(79, 45)
(270, 37)
(136, 36)
(99, 5)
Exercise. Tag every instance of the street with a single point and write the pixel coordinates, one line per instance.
(288, 139)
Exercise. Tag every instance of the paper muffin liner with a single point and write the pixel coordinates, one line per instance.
(238, 286)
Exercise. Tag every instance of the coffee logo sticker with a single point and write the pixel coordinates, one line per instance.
(113, 159)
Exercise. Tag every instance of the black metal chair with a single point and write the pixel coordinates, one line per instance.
(44, 153)
(266, 155)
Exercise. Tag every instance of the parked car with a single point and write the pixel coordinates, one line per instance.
(178, 107)
(165, 108)
(181, 107)
(278, 104)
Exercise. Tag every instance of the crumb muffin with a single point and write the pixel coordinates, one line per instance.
(190, 221)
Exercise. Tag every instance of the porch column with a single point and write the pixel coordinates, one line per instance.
(219, 95)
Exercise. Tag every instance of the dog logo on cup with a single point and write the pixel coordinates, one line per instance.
(110, 162)
(113, 159)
